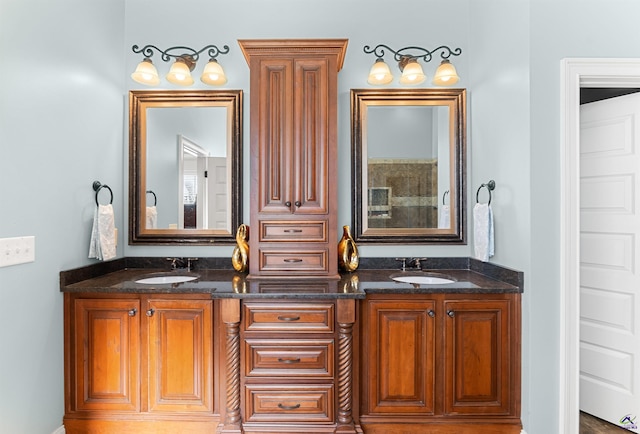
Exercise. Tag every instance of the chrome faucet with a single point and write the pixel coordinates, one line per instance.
(182, 263)
(417, 262)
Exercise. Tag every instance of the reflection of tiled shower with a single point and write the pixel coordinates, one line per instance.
(403, 193)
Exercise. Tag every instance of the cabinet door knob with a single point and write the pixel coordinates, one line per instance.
(150, 312)
(451, 313)
(288, 204)
(431, 313)
(298, 203)
(133, 312)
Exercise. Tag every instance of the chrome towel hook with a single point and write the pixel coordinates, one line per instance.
(491, 185)
(97, 186)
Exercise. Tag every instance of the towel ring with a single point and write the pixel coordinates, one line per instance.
(444, 195)
(155, 198)
(97, 186)
(491, 185)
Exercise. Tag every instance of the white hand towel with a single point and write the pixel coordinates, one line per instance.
(444, 221)
(483, 231)
(103, 234)
(152, 217)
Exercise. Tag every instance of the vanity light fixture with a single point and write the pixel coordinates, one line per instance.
(184, 61)
(411, 69)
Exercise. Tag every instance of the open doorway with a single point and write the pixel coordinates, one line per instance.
(578, 73)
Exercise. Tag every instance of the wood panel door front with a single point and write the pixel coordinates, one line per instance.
(180, 355)
(401, 357)
(107, 362)
(478, 357)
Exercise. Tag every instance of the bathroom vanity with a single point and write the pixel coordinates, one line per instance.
(221, 353)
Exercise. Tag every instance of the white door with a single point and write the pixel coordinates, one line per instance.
(219, 205)
(610, 260)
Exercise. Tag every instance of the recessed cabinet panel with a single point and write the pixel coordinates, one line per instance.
(106, 359)
(289, 358)
(280, 231)
(311, 403)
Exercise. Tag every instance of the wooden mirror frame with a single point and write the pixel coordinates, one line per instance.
(138, 102)
(455, 99)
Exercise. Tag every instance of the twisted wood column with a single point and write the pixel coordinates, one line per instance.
(345, 372)
(230, 312)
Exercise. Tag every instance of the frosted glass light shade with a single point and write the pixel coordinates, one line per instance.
(380, 73)
(412, 73)
(180, 74)
(213, 74)
(446, 74)
(146, 73)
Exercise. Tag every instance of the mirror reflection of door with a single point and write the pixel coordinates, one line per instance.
(202, 190)
(407, 157)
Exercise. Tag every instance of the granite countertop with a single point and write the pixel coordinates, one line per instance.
(120, 276)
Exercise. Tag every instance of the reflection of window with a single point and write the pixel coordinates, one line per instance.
(379, 202)
(190, 189)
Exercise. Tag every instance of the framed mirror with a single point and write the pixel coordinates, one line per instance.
(408, 155)
(185, 166)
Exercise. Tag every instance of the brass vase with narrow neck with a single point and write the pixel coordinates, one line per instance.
(348, 258)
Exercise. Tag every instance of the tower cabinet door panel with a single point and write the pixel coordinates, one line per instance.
(478, 351)
(107, 343)
(401, 357)
(180, 355)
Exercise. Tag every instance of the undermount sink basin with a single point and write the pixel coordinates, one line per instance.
(166, 279)
(422, 279)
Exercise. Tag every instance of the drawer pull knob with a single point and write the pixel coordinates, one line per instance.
(297, 360)
(133, 312)
(293, 260)
(288, 318)
(289, 407)
(293, 230)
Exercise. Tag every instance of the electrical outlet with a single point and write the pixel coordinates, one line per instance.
(18, 250)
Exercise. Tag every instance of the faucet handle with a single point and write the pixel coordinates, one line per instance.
(417, 262)
(173, 261)
(403, 261)
(190, 262)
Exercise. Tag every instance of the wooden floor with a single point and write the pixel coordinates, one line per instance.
(592, 425)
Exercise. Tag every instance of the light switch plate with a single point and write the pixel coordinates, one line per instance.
(17, 250)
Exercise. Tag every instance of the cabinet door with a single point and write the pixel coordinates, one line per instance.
(400, 357)
(478, 362)
(312, 136)
(106, 358)
(274, 133)
(180, 355)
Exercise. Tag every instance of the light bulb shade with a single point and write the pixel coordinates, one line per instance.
(446, 74)
(146, 73)
(180, 74)
(213, 74)
(412, 73)
(380, 73)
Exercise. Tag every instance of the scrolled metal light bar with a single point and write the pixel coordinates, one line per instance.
(423, 53)
(166, 55)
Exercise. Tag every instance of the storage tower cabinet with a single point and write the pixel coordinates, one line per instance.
(293, 111)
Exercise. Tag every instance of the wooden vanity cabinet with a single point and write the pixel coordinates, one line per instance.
(446, 363)
(294, 96)
(139, 364)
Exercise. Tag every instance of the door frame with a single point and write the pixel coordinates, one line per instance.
(576, 73)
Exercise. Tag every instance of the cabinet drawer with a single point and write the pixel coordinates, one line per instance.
(293, 231)
(289, 317)
(294, 260)
(289, 358)
(289, 403)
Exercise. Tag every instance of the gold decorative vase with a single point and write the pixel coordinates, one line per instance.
(348, 258)
(240, 255)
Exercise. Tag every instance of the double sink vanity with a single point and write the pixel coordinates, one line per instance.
(223, 353)
(293, 344)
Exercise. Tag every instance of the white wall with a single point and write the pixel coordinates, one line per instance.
(61, 128)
